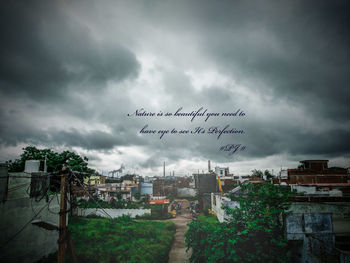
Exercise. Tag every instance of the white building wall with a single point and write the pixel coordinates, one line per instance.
(112, 212)
(217, 203)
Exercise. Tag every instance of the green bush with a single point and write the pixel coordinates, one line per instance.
(211, 219)
(114, 204)
(253, 232)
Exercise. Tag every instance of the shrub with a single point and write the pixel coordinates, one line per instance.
(253, 232)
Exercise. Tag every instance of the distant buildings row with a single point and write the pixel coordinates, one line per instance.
(318, 225)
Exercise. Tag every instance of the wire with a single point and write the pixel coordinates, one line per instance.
(23, 227)
(18, 187)
(138, 245)
(92, 197)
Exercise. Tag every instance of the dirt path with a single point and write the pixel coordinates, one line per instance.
(178, 252)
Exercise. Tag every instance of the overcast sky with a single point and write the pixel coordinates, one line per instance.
(71, 71)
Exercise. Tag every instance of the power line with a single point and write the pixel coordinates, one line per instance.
(138, 245)
(24, 226)
(91, 195)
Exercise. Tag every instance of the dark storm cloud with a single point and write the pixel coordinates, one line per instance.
(13, 134)
(288, 63)
(263, 141)
(298, 49)
(44, 53)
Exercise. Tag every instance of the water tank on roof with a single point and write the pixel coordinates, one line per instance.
(32, 166)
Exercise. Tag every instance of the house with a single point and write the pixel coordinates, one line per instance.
(95, 179)
(228, 181)
(124, 190)
(316, 171)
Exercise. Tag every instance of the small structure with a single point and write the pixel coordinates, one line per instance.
(125, 190)
(162, 202)
(95, 179)
(146, 188)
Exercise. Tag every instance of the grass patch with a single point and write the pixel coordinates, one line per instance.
(211, 219)
(121, 240)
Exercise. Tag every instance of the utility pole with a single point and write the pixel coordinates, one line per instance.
(64, 233)
(63, 223)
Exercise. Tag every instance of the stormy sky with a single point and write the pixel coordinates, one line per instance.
(71, 71)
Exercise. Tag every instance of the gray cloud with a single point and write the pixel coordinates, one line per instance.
(45, 53)
(285, 63)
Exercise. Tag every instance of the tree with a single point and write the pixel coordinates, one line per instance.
(268, 174)
(119, 196)
(137, 195)
(257, 173)
(54, 161)
(252, 233)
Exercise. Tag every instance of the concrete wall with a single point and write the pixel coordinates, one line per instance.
(33, 242)
(338, 210)
(311, 190)
(205, 183)
(340, 213)
(3, 182)
(112, 212)
(217, 202)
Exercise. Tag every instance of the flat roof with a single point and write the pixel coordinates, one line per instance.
(314, 161)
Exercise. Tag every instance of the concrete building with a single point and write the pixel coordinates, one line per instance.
(228, 181)
(221, 171)
(183, 182)
(125, 190)
(205, 183)
(95, 179)
(24, 214)
(316, 171)
(146, 188)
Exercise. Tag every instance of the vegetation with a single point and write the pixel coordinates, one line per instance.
(170, 197)
(160, 212)
(252, 233)
(260, 174)
(208, 218)
(54, 160)
(121, 240)
(114, 204)
(154, 216)
(257, 173)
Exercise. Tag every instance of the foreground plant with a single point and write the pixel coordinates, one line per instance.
(253, 231)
